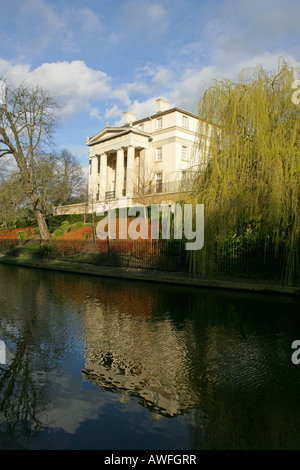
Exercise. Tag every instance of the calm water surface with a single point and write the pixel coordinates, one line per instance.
(107, 364)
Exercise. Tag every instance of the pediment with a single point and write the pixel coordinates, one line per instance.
(107, 133)
(112, 133)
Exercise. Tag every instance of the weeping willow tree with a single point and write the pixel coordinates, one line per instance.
(249, 181)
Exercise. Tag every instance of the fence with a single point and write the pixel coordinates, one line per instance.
(248, 262)
(144, 254)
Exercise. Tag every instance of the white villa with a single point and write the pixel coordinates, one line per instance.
(143, 161)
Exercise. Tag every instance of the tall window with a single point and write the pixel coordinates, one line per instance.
(184, 121)
(90, 165)
(159, 154)
(158, 182)
(159, 123)
(98, 193)
(184, 153)
(98, 161)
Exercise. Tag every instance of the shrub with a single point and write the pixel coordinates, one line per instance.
(45, 250)
(21, 236)
(25, 222)
(70, 243)
(57, 233)
(11, 234)
(65, 226)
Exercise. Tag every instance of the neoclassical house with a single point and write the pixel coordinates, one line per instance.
(143, 160)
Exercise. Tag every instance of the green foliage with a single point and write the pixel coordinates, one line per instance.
(22, 237)
(251, 176)
(45, 249)
(65, 226)
(25, 222)
(57, 233)
(54, 222)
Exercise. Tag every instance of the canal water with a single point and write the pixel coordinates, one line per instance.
(94, 363)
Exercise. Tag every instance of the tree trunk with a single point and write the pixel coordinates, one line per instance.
(42, 225)
(40, 218)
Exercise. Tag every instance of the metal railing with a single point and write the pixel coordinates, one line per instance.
(252, 262)
(161, 187)
(110, 194)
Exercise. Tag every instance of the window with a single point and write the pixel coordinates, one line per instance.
(98, 158)
(159, 154)
(158, 182)
(184, 121)
(90, 165)
(98, 193)
(159, 123)
(184, 153)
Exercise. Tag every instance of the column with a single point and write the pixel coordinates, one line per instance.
(130, 180)
(103, 175)
(93, 176)
(119, 172)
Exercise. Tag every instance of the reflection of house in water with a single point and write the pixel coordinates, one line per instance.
(137, 357)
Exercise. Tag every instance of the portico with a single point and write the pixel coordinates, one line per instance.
(115, 173)
(114, 162)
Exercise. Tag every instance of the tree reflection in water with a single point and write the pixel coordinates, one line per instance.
(220, 361)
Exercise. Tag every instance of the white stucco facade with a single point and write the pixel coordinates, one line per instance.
(143, 158)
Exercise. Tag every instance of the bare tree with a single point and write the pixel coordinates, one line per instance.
(143, 180)
(59, 177)
(27, 125)
(10, 198)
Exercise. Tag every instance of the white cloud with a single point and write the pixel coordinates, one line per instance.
(13, 71)
(79, 88)
(39, 26)
(71, 79)
(140, 108)
(113, 112)
(144, 108)
(150, 19)
(189, 88)
(94, 113)
(43, 22)
(89, 21)
(42, 11)
(73, 84)
(235, 36)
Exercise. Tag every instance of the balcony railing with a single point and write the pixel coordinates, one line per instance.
(160, 187)
(110, 194)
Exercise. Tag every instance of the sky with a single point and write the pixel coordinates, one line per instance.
(100, 58)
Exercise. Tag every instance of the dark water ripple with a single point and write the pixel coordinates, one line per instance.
(103, 364)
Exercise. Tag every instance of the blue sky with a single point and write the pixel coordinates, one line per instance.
(100, 58)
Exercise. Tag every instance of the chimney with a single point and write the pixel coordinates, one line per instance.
(162, 105)
(129, 118)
